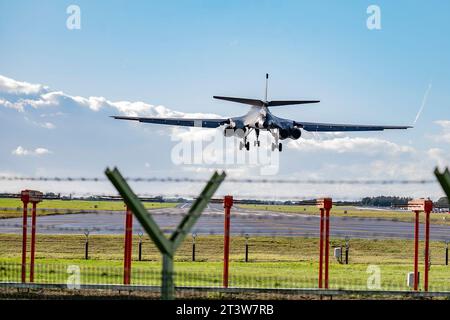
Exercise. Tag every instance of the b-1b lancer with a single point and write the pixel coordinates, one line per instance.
(258, 118)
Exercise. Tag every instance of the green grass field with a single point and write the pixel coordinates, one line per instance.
(349, 211)
(274, 262)
(71, 205)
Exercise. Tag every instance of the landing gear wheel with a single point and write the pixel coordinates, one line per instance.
(280, 147)
(241, 145)
(273, 146)
(247, 146)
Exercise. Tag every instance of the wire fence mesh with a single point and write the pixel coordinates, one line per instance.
(273, 263)
(272, 248)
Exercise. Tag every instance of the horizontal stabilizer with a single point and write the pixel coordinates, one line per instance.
(252, 102)
(276, 103)
(260, 103)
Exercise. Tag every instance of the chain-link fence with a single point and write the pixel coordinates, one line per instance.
(273, 250)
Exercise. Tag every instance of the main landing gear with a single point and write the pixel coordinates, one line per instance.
(276, 145)
(279, 146)
(246, 144)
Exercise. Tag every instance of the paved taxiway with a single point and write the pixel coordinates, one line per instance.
(252, 222)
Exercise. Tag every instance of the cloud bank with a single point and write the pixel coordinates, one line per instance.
(21, 95)
(21, 151)
(57, 117)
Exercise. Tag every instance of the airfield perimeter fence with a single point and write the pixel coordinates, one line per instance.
(280, 261)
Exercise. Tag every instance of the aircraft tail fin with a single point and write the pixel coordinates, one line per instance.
(266, 103)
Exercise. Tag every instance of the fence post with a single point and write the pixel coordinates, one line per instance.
(27, 196)
(128, 246)
(416, 252)
(140, 246)
(446, 253)
(347, 248)
(417, 206)
(428, 208)
(167, 289)
(325, 205)
(444, 181)
(246, 247)
(327, 244)
(33, 240)
(86, 245)
(194, 236)
(167, 247)
(321, 248)
(24, 240)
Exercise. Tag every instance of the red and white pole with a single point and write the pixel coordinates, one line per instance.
(227, 204)
(325, 205)
(327, 244)
(321, 247)
(417, 206)
(427, 247)
(24, 240)
(128, 246)
(33, 241)
(416, 252)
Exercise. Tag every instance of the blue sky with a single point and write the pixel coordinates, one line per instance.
(179, 53)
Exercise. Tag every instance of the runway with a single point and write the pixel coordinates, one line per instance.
(251, 222)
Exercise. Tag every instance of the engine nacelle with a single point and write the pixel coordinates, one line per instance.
(284, 133)
(292, 133)
(295, 133)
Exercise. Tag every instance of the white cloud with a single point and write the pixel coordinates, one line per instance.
(47, 125)
(12, 86)
(40, 151)
(438, 155)
(444, 136)
(444, 124)
(21, 151)
(369, 146)
(18, 97)
(43, 97)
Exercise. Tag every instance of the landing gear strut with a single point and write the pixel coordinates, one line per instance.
(257, 143)
(276, 144)
(244, 144)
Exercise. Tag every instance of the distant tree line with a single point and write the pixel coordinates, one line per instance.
(384, 201)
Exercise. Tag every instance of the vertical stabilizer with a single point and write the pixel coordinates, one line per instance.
(267, 84)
